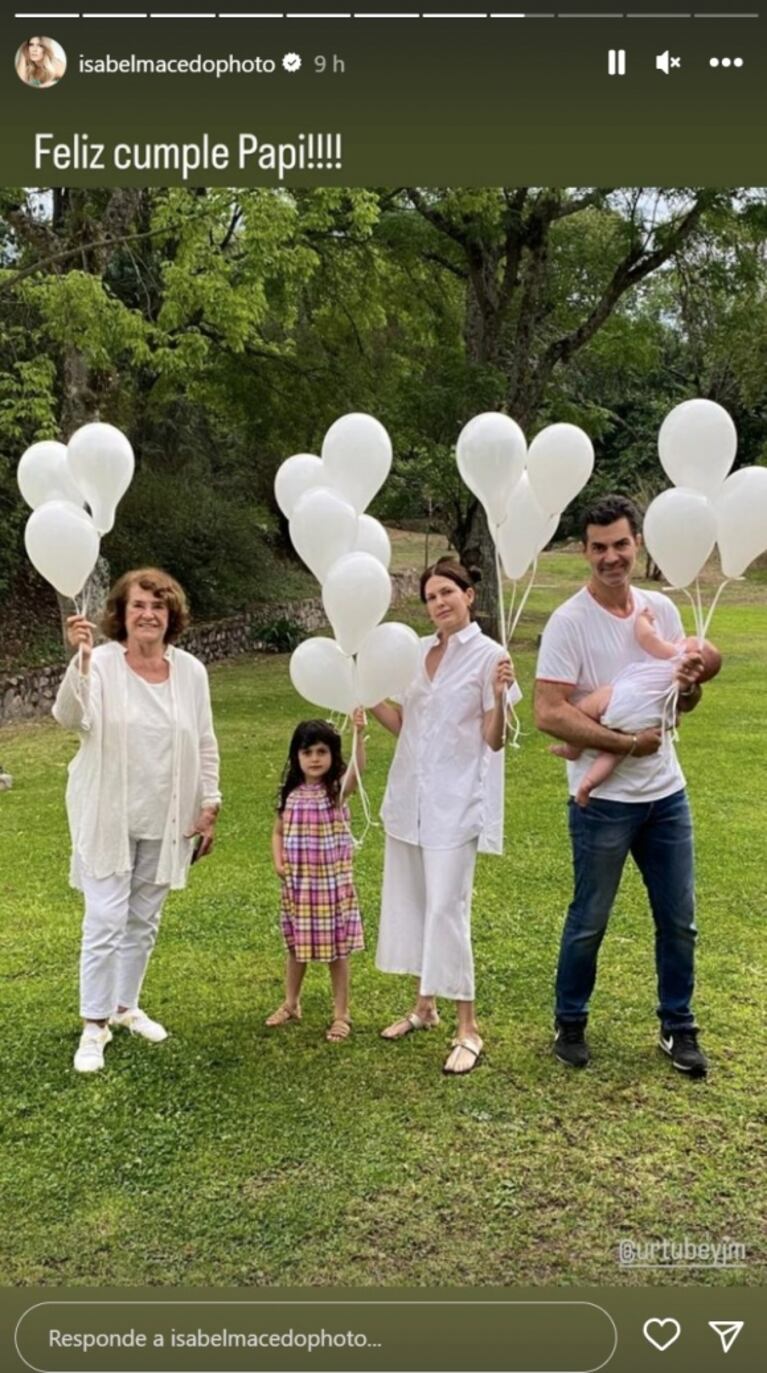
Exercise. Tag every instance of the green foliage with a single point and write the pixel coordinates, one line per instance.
(225, 329)
(216, 546)
(279, 636)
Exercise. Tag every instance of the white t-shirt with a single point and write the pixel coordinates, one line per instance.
(586, 646)
(150, 756)
(445, 784)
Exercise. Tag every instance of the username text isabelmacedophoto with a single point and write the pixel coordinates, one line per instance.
(197, 65)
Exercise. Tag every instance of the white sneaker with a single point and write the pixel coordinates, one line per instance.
(90, 1051)
(138, 1022)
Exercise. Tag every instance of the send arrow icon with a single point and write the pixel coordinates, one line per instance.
(728, 1332)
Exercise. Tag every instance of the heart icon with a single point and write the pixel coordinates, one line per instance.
(666, 1332)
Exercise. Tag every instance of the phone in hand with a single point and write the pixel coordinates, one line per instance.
(197, 847)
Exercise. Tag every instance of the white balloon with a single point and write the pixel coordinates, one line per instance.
(63, 545)
(372, 538)
(43, 475)
(741, 519)
(387, 661)
(491, 453)
(323, 527)
(525, 531)
(680, 532)
(101, 462)
(357, 455)
(324, 675)
(697, 444)
(296, 476)
(559, 463)
(356, 594)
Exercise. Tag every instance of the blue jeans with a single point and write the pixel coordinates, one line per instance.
(658, 835)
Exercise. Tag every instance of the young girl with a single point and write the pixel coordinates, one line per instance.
(312, 852)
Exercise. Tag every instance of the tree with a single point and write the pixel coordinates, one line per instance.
(532, 305)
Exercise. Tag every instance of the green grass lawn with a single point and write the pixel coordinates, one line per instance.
(235, 1155)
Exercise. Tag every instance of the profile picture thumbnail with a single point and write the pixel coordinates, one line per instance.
(41, 62)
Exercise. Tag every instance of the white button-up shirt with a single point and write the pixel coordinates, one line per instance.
(96, 705)
(445, 784)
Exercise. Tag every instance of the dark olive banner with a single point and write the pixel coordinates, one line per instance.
(281, 1331)
(255, 95)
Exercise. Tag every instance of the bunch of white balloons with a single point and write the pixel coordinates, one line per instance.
(62, 540)
(697, 444)
(523, 491)
(349, 552)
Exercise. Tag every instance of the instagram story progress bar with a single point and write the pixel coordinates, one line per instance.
(456, 14)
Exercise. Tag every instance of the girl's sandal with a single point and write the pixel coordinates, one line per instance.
(338, 1031)
(282, 1016)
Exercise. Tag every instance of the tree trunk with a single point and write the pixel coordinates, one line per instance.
(476, 551)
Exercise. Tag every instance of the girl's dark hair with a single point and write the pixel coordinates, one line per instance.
(454, 571)
(304, 735)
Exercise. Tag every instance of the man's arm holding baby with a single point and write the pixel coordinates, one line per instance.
(556, 715)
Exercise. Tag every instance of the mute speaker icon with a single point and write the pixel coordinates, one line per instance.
(664, 62)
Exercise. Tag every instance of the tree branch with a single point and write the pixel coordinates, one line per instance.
(43, 264)
(634, 268)
(437, 218)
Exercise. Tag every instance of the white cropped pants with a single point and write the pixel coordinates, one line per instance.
(122, 916)
(426, 917)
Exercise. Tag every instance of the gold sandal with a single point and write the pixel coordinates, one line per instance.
(413, 1021)
(473, 1045)
(338, 1031)
(282, 1016)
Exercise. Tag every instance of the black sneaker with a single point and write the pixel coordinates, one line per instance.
(684, 1052)
(570, 1045)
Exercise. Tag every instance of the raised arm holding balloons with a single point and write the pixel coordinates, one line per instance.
(142, 796)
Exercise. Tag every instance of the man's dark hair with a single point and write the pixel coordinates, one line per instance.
(607, 510)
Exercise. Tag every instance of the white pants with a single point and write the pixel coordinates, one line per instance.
(122, 915)
(426, 917)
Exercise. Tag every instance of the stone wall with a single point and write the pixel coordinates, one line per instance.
(30, 693)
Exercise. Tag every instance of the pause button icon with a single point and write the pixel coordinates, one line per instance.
(616, 62)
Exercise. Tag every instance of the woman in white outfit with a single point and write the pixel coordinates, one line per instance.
(142, 796)
(443, 802)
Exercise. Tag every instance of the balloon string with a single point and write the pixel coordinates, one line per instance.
(510, 616)
(354, 770)
(501, 618)
(513, 724)
(523, 602)
(714, 603)
(79, 610)
(699, 621)
(669, 732)
(692, 603)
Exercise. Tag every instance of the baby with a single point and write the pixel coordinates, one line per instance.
(640, 698)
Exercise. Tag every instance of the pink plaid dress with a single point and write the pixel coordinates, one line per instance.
(320, 914)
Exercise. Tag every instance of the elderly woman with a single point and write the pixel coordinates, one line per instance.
(443, 802)
(142, 797)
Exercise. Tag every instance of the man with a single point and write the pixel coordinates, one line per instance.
(642, 807)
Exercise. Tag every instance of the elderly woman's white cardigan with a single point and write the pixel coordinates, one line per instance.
(97, 804)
